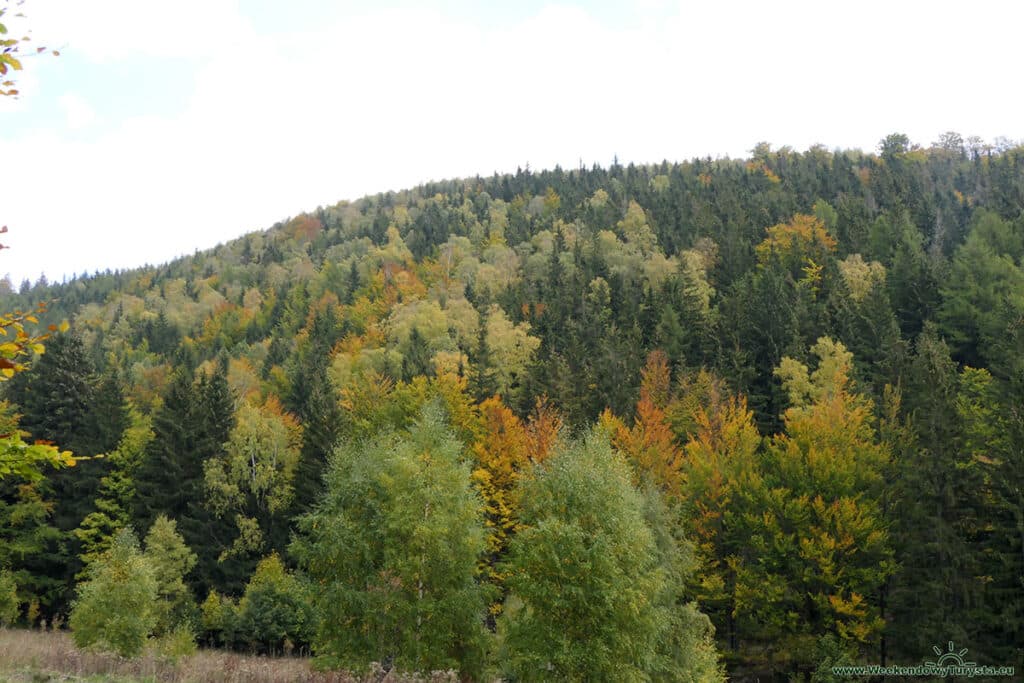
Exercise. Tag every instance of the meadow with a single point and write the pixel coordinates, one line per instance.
(40, 656)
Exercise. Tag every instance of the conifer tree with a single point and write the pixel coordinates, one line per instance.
(416, 359)
(321, 422)
(191, 427)
(481, 378)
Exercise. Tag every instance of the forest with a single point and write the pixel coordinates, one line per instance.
(725, 418)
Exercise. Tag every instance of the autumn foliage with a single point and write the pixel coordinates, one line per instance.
(650, 444)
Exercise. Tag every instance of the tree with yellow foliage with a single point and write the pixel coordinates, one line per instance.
(824, 551)
(721, 482)
(18, 458)
(505, 452)
(803, 245)
(649, 445)
(11, 47)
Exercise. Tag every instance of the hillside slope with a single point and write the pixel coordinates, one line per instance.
(658, 302)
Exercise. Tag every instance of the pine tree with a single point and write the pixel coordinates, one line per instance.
(416, 360)
(191, 427)
(481, 379)
(944, 502)
(58, 401)
(321, 422)
(165, 482)
(63, 401)
(32, 548)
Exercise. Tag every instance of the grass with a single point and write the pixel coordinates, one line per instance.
(42, 656)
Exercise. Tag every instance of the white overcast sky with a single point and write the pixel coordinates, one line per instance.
(170, 126)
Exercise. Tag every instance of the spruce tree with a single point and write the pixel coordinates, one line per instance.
(416, 360)
(321, 420)
(163, 484)
(191, 427)
(63, 401)
(481, 379)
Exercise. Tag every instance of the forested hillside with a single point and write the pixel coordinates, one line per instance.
(785, 392)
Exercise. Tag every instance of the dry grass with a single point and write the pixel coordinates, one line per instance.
(38, 656)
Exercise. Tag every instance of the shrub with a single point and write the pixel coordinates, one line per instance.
(177, 643)
(217, 617)
(275, 613)
(9, 602)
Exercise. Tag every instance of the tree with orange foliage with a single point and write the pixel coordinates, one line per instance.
(18, 458)
(505, 452)
(650, 446)
(543, 429)
(502, 455)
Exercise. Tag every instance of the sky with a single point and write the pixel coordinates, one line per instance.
(167, 127)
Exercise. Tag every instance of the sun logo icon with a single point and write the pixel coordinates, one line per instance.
(951, 657)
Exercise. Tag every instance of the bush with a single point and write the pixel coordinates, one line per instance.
(115, 608)
(275, 614)
(9, 602)
(177, 643)
(217, 617)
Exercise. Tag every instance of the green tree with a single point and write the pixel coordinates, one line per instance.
(170, 560)
(956, 517)
(393, 549)
(10, 604)
(586, 578)
(192, 426)
(913, 279)
(117, 490)
(416, 356)
(275, 614)
(32, 549)
(116, 608)
(253, 480)
(321, 429)
(985, 291)
(61, 403)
